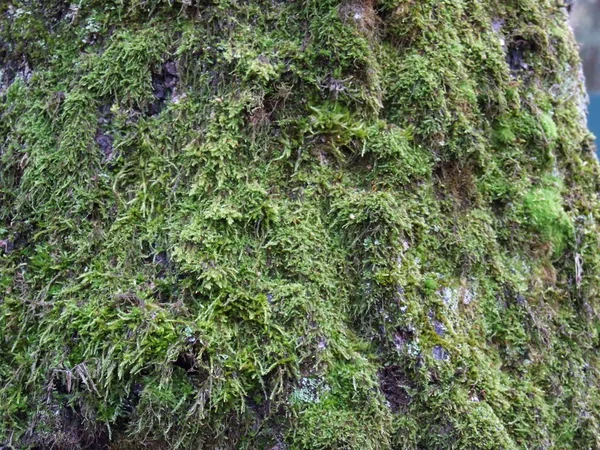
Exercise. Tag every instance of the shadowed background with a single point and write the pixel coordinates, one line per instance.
(586, 22)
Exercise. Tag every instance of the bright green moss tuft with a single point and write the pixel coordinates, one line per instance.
(545, 213)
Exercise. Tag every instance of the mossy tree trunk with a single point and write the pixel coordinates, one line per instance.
(310, 224)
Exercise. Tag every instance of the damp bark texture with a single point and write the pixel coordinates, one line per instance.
(308, 224)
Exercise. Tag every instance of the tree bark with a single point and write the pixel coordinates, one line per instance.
(312, 224)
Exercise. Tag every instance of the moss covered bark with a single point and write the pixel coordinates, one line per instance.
(312, 224)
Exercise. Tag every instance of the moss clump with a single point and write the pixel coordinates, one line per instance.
(545, 213)
(307, 225)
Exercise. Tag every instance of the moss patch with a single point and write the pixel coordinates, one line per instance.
(306, 225)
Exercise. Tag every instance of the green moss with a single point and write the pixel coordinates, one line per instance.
(545, 213)
(311, 225)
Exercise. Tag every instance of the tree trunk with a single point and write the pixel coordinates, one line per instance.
(309, 224)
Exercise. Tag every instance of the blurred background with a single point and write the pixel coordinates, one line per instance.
(585, 19)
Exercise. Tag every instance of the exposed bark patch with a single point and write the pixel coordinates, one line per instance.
(402, 337)
(163, 84)
(440, 353)
(394, 383)
(6, 245)
(13, 69)
(456, 180)
(517, 54)
(362, 13)
(105, 142)
(103, 138)
(130, 403)
(67, 431)
(187, 361)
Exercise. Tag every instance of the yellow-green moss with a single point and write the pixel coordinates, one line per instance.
(306, 225)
